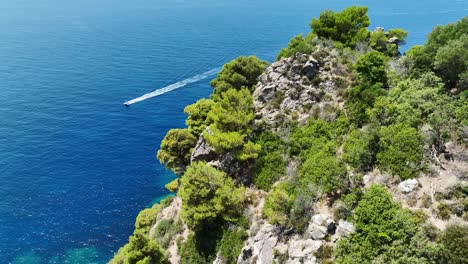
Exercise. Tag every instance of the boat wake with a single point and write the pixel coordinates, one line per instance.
(173, 86)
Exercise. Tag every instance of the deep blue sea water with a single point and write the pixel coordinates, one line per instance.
(76, 166)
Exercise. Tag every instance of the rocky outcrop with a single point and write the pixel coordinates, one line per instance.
(203, 151)
(272, 243)
(299, 87)
(226, 162)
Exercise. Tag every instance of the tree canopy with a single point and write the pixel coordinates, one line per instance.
(209, 195)
(347, 27)
(175, 149)
(238, 73)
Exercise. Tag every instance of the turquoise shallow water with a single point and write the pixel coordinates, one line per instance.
(75, 165)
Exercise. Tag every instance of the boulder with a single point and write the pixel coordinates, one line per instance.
(321, 225)
(344, 228)
(408, 185)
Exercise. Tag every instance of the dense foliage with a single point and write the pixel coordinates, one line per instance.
(348, 26)
(239, 73)
(379, 222)
(208, 196)
(176, 148)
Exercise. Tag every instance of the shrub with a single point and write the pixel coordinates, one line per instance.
(297, 44)
(197, 120)
(140, 249)
(278, 204)
(379, 222)
(400, 150)
(360, 99)
(190, 252)
(324, 170)
(231, 244)
(166, 230)
(268, 169)
(173, 185)
(360, 149)
(443, 211)
(372, 67)
(454, 242)
(146, 218)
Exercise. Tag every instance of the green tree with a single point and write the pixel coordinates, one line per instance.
(451, 60)
(297, 44)
(232, 117)
(360, 99)
(176, 148)
(411, 102)
(379, 222)
(400, 150)
(372, 67)
(238, 73)
(142, 250)
(209, 195)
(233, 111)
(360, 149)
(347, 27)
(197, 113)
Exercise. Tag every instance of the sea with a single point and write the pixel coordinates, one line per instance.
(76, 165)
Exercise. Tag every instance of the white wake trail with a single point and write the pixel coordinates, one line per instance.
(174, 86)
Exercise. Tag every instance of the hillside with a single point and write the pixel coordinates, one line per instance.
(343, 150)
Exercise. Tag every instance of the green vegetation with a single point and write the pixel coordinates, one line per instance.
(359, 149)
(239, 73)
(146, 218)
(166, 230)
(268, 169)
(400, 150)
(231, 244)
(209, 196)
(395, 113)
(371, 67)
(379, 222)
(232, 116)
(140, 250)
(454, 241)
(324, 171)
(176, 148)
(444, 53)
(279, 203)
(347, 27)
(197, 120)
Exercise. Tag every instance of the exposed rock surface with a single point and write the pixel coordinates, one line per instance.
(408, 185)
(299, 87)
(344, 228)
(203, 151)
(226, 162)
(272, 243)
